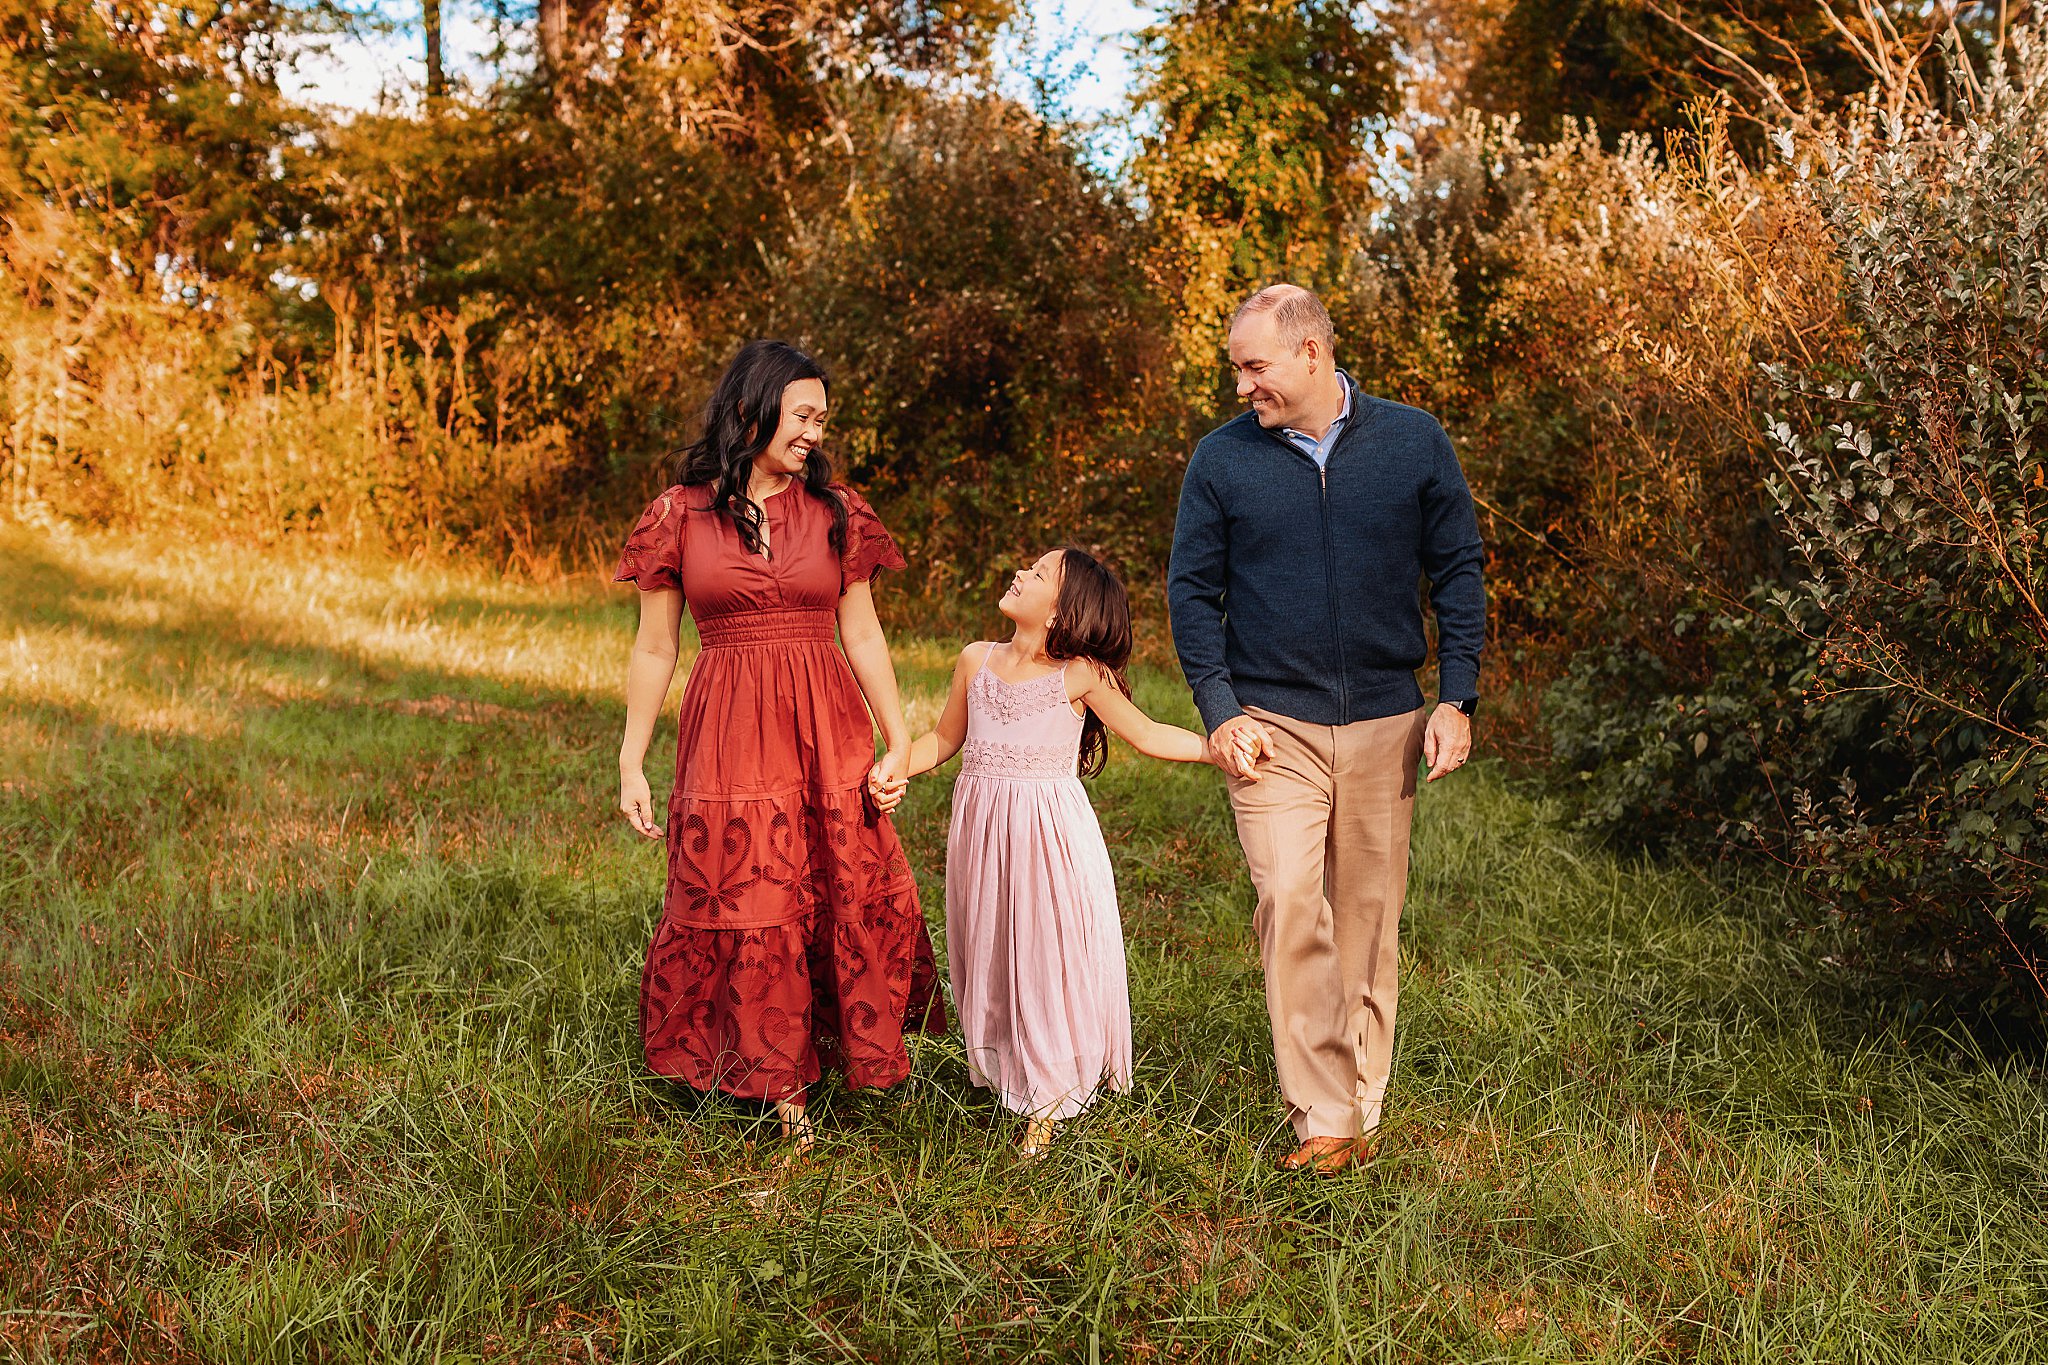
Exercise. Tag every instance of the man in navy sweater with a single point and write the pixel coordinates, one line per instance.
(1307, 527)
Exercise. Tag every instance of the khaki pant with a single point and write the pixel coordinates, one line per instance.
(1325, 832)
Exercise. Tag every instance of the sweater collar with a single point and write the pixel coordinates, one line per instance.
(1357, 411)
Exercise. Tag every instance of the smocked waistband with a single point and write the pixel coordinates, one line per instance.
(1016, 762)
(740, 628)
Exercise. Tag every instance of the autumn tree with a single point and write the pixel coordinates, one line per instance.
(746, 66)
(1260, 118)
(1636, 65)
(437, 68)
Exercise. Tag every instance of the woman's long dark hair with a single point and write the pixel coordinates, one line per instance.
(1092, 621)
(739, 422)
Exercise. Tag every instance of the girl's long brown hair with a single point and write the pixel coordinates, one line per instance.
(1092, 621)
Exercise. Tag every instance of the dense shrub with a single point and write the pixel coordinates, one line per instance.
(1589, 321)
(1259, 117)
(476, 326)
(1005, 383)
(1921, 517)
(1880, 723)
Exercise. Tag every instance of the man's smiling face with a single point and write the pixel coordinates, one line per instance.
(1272, 376)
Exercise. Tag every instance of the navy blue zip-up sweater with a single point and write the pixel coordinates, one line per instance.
(1296, 589)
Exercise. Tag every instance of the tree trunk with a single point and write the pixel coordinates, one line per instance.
(554, 36)
(571, 33)
(437, 75)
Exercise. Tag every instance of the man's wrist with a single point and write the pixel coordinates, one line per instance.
(1217, 703)
(1468, 706)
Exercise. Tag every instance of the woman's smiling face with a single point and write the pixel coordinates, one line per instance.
(1034, 592)
(801, 429)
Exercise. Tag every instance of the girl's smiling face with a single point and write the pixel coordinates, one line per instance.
(1034, 592)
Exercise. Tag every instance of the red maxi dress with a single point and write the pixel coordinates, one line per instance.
(790, 935)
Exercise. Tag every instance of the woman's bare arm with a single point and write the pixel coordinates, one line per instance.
(648, 674)
(867, 651)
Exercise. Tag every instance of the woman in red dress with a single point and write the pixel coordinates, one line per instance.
(790, 935)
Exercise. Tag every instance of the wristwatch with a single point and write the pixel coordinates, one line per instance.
(1469, 706)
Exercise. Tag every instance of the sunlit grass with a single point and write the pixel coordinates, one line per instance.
(319, 955)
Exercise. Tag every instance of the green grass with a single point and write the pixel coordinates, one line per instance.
(319, 953)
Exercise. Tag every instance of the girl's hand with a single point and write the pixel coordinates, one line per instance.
(1237, 746)
(637, 804)
(1247, 754)
(889, 779)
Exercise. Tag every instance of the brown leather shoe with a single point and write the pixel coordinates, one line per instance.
(1321, 1155)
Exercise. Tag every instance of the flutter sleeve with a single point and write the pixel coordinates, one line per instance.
(653, 557)
(869, 546)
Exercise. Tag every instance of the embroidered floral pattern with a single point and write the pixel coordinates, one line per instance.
(992, 758)
(653, 557)
(760, 1012)
(1010, 702)
(734, 865)
(868, 544)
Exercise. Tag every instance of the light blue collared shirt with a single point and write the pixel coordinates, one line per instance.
(1319, 451)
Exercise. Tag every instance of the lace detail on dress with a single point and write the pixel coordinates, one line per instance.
(653, 556)
(869, 545)
(1011, 702)
(992, 758)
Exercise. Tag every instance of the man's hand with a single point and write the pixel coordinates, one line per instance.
(1447, 743)
(1238, 744)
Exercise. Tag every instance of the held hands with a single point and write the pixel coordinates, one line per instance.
(889, 779)
(1237, 746)
(636, 803)
(1447, 743)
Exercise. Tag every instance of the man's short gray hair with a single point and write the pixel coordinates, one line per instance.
(1297, 312)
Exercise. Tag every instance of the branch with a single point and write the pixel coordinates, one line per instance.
(1764, 84)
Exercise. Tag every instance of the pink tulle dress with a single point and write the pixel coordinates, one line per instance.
(1032, 932)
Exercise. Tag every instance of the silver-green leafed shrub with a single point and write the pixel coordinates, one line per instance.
(1919, 516)
(1877, 719)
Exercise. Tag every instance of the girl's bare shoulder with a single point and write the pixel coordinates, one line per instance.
(1084, 675)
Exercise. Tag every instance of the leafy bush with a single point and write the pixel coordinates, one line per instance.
(1006, 385)
(1258, 140)
(1920, 515)
(1880, 723)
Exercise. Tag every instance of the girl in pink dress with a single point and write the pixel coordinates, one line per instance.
(1032, 934)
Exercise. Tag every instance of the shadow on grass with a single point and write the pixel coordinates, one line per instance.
(48, 593)
(195, 714)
